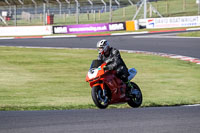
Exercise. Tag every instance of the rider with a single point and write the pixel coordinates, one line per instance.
(114, 61)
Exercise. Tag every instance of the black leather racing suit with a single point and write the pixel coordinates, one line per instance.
(115, 62)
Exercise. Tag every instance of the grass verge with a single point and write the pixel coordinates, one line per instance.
(48, 79)
(190, 34)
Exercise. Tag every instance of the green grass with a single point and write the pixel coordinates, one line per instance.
(190, 34)
(47, 79)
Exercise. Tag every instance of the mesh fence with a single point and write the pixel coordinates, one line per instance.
(96, 12)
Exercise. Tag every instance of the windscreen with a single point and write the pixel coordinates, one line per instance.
(96, 64)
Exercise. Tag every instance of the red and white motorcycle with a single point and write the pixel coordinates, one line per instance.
(108, 89)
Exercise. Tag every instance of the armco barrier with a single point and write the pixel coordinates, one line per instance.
(171, 22)
(132, 25)
(89, 28)
(67, 29)
(25, 30)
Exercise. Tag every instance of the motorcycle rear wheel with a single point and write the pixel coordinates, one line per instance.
(98, 98)
(136, 100)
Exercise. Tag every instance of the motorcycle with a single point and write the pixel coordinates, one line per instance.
(108, 89)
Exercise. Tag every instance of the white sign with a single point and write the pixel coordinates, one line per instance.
(60, 29)
(117, 26)
(4, 13)
(171, 22)
(25, 30)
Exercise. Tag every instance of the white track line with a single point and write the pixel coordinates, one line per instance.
(4, 38)
(62, 36)
(163, 36)
(195, 105)
(129, 33)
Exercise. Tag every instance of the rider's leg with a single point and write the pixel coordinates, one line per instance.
(122, 73)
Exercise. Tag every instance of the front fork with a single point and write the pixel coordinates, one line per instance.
(103, 89)
(104, 97)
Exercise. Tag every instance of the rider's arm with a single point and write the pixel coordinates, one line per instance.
(115, 60)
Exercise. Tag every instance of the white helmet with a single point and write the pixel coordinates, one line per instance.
(102, 46)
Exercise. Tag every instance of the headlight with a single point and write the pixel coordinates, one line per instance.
(94, 79)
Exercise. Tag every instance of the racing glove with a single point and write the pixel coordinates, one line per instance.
(107, 68)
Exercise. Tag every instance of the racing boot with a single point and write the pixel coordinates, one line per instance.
(128, 88)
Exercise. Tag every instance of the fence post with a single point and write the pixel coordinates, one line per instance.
(110, 19)
(44, 13)
(60, 7)
(64, 16)
(15, 12)
(156, 5)
(35, 4)
(88, 16)
(21, 2)
(104, 4)
(124, 12)
(77, 12)
(167, 7)
(131, 2)
(145, 9)
(91, 4)
(184, 5)
(99, 15)
(10, 7)
(69, 5)
(199, 8)
(94, 13)
(117, 2)
(150, 11)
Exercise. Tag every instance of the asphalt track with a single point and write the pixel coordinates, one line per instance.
(141, 120)
(182, 119)
(157, 43)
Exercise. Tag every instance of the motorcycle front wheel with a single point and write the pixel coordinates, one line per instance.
(99, 99)
(136, 96)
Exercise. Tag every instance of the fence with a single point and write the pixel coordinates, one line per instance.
(92, 11)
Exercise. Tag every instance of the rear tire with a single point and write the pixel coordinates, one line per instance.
(136, 99)
(98, 98)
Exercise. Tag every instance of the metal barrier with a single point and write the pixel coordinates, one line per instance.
(89, 11)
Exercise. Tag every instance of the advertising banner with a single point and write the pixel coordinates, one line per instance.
(88, 28)
(25, 30)
(171, 22)
(132, 25)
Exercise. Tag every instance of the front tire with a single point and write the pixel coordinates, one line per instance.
(98, 98)
(136, 98)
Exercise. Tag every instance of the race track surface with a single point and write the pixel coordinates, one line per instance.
(183, 119)
(181, 46)
(141, 120)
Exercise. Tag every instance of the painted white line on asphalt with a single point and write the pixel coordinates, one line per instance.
(162, 36)
(4, 38)
(195, 105)
(63, 36)
(129, 33)
(189, 29)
